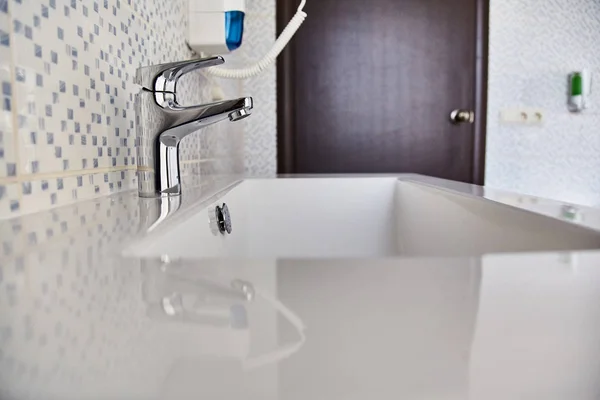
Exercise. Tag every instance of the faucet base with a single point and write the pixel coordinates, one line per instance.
(147, 186)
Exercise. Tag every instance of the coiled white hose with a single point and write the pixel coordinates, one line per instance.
(270, 57)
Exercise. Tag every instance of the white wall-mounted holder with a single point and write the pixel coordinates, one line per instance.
(208, 35)
(579, 90)
(215, 26)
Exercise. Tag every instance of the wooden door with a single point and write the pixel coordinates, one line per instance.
(368, 86)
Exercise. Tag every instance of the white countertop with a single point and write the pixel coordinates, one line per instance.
(80, 321)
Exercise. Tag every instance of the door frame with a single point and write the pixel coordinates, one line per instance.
(286, 94)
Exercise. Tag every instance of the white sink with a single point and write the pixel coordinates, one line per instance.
(355, 217)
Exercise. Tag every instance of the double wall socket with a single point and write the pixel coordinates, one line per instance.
(523, 116)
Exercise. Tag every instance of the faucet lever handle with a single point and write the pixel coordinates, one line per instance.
(164, 77)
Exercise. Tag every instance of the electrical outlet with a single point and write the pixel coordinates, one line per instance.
(523, 116)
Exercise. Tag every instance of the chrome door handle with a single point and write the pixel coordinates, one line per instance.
(462, 116)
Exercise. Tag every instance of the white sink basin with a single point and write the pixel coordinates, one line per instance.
(366, 217)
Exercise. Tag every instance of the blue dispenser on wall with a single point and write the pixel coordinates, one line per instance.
(215, 26)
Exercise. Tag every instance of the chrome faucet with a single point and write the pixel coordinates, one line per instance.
(161, 123)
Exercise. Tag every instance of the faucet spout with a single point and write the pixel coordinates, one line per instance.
(186, 120)
(161, 124)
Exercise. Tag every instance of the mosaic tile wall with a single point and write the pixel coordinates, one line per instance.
(534, 44)
(66, 120)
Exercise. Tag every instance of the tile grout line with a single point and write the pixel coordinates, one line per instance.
(13, 82)
(66, 174)
(202, 160)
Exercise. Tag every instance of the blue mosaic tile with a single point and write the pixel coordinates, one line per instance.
(4, 38)
(6, 89)
(17, 26)
(20, 74)
(26, 187)
(11, 169)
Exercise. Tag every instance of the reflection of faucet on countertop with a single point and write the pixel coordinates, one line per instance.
(161, 123)
(174, 293)
(196, 299)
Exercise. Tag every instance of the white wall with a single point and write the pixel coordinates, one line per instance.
(534, 44)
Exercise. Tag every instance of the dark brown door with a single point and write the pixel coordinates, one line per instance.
(368, 86)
